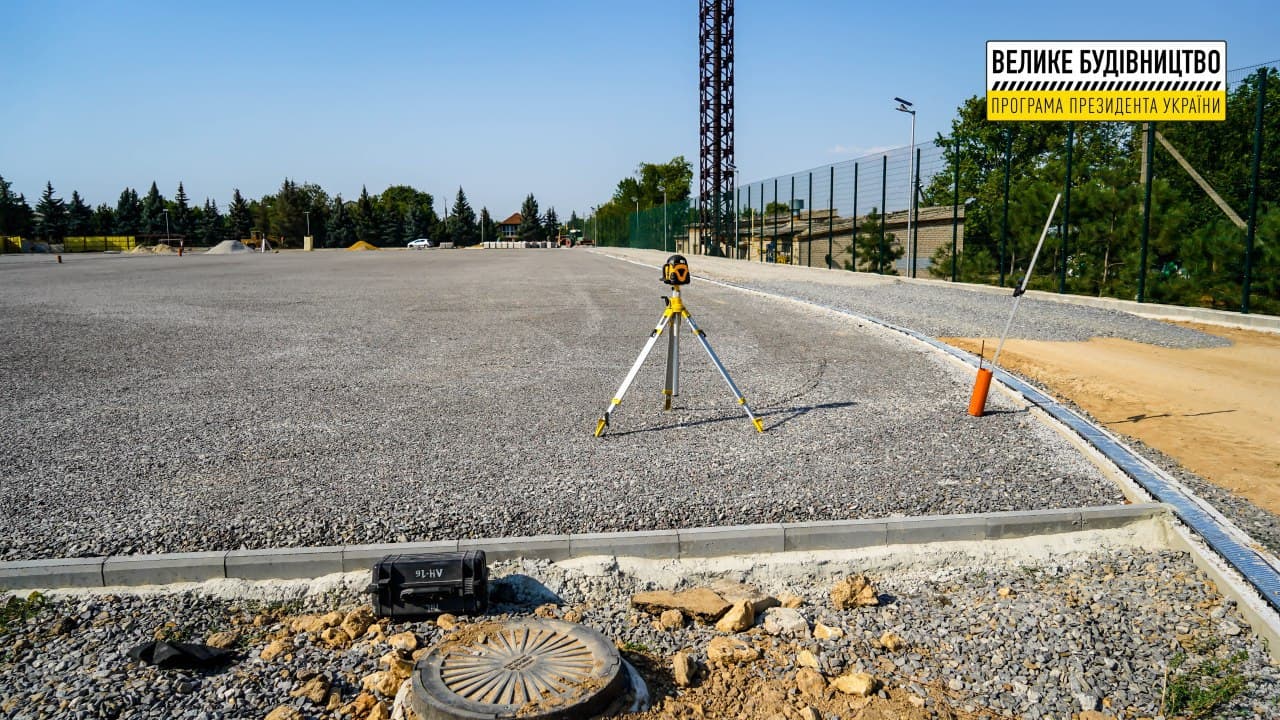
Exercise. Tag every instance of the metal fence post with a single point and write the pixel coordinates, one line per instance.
(831, 215)
(853, 231)
(1065, 228)
(775, 220)
(884, 198)
(809, 216)
(1146, 213)
(791, 225)
(1253, 192)
(915, 215)
(955, 206)
(1004, 223)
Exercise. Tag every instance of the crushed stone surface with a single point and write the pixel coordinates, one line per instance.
(301, 399)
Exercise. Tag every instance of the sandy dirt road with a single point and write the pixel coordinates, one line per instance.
(1216, 410)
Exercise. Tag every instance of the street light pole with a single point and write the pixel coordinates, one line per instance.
(905, 106)
(308, 214)
(166, 226)
(636, 200)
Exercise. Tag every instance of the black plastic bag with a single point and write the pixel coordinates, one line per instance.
(180, 655)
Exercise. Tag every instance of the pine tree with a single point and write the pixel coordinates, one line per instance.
(79, 215)
(128, 216)
(868, 252)
(488, 226)
(153, 206)
(530, 222)
(463, 230)
(104, 220)
(180, 222)
(239, 219)
(340, 228)
(551, 224)
(368, 218)
(8, 208)
(52, 212)
(211, 229)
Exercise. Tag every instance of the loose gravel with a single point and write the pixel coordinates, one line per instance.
(938, 310)
(1103, 630)
(164, 404)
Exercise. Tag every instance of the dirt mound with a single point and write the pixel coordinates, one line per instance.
(141, 250)
(162, 250)
(227, 247)
(362, 245)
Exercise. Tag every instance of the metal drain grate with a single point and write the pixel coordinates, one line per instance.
(530, 668)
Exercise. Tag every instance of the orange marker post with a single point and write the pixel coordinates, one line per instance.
(982, 384)
(981, 387)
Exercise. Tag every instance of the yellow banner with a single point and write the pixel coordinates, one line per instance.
(1107, 105)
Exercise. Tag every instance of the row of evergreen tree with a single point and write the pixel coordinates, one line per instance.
(394, 217)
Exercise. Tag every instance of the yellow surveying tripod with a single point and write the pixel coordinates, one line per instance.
(674, 273)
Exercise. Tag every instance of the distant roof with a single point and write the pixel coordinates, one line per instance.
(515, 219)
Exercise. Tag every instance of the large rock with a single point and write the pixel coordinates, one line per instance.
(223, 640)
(359, 707)
(891, 641)
(859, 684)
(406, 641)
(316, 690)
(700, 603)
(397, 665)
(811, 683)
(671, 619)
(806, 659)
(852, 592)
(357, 622)
(785, 621)
(335, 638)
(825, 632)
(446, 621)
(739, 617)
(275, 649)
(734, 592)
(683, 668)
(730, 651)
(383, 681)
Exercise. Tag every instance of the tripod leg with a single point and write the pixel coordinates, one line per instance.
(672, 386)
(631, 375)
(742, 400)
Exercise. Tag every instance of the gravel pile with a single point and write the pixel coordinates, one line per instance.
(315, 399)
(1009, 637)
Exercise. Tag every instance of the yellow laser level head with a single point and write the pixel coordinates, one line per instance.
(675, 271)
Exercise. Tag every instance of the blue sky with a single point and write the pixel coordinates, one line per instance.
(560, 99)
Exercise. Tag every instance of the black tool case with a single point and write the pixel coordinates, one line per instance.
(411, 586)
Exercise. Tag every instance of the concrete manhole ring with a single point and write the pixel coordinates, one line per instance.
(528, 668)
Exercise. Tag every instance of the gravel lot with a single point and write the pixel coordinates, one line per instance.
(936, 309)
(1109, 629)
(159, 403)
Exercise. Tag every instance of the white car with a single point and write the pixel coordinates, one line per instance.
(420, 243)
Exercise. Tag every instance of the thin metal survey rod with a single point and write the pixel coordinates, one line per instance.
(1022, 288)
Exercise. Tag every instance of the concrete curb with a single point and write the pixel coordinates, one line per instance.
(311, 562)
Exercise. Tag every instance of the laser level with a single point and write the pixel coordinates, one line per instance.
(675, 272)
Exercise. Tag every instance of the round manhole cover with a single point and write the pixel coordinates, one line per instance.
(530, 668)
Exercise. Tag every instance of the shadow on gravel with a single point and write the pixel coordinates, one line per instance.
(789, 414)
(1016, 411)
(522, 591)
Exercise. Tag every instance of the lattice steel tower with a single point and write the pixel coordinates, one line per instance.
(715, 40)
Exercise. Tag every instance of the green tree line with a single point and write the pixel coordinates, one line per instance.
(1195, 253)
(391, 218)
